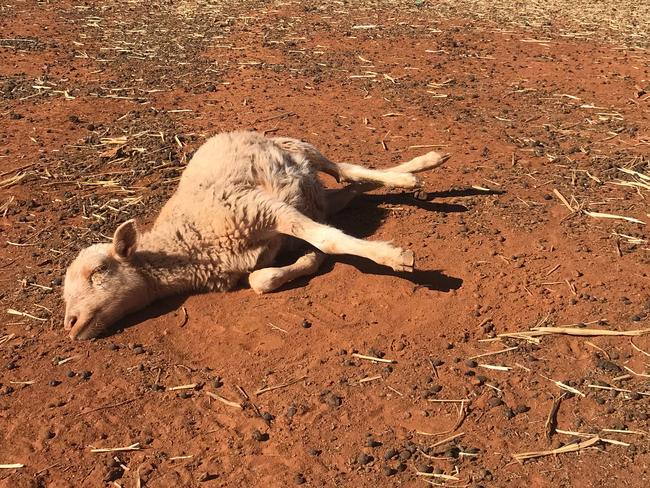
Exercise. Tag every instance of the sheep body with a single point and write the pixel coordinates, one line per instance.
(239, 200)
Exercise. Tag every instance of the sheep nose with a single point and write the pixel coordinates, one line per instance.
(70, 321)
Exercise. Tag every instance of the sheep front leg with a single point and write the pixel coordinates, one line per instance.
(266, 280)
(330, 240)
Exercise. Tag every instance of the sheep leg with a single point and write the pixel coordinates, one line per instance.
(340, 198)
(330, 240)
(400, 176)
(266, 280)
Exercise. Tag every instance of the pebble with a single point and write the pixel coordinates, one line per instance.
(217, 382)
(373, 443)
(306, 324)
(71, 374)
(185, 395)
(509, 414)
(424, 468)
(521, 409)
(314, 452)
(207, 477)
(259, 436)
(391, 453)
(54, 383)
(364, 458)
(11, 366)
(388, 471)
(405, 455)
(268, 417)
(114, 347)
(437, 362)
(495, 402)
(56, 282)
(470, 363)
(86, 375)
(300, 479)
(138, 350)
(606, 365)
(330, 399)
(401, 467)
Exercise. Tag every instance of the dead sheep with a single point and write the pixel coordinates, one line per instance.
(241, 198)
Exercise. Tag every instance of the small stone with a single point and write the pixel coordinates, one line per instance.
(373, 443)
(54, 383)
(268, 417)
(138, 350)
(635, 396)
(207, 477)
(11, 365)
(314, 452)
(401, 467)
(330, 399)
(405, 455)
(259, 436)
(470, 363)
(306, 324)
(609, 366)
(113, 474)
(509, 414)
(437, 362)
(364, 458)
(300, 479)
(521, 409)
(185, 395)
(495, 402)
(56, 282)
(388, 471)
(391, 453)
(217, 382)
(86, 375)
(114, 347)
(424, 468)
(158, 387)
(291, 411)
(71, 374)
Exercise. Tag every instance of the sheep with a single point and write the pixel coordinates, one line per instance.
(241, 198)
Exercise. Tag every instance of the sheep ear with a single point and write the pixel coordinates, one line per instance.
(125, 240)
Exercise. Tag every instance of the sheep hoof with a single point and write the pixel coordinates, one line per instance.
(407, 261)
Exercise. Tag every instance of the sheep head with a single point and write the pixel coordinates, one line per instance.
(103, 284)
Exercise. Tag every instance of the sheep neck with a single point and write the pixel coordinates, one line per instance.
(170, 265)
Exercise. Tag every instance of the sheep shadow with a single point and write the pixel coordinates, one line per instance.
(156, 309)
(364, 216)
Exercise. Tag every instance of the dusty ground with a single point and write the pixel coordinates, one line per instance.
(100, 109)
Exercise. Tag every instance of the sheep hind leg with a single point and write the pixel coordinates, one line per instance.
(338, 199)
(266, 280)
(330, 240)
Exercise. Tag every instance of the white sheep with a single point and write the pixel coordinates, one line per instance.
(238, 199)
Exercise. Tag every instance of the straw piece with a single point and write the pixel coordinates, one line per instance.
(599, 215)
(372, 358)
(11, 466)
(132, 447)
(224, 400)
(521, 457)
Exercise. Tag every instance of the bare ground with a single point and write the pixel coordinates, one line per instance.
(540, 105)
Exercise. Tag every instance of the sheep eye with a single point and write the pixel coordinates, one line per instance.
(97, 276)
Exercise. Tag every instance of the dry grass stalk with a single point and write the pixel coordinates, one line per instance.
(277, 387)
(132, 447)
(177, 458)
(11, 466)
(585, 435)
(551, 420)
(638, 348)
(224, 400)
(521, 457)
(565, 387)
(370, 378)
(588, 332)
(447, 477)
(642, 375)
(599, 215)
(446, 440)
(494, 367)
(104, 407)
(11, 311)
(446, 400)
(191, 386)
(494, 352)
(563, 200)
(620, 390)
(372, 358)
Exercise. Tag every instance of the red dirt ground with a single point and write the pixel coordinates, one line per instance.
(527, 114)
